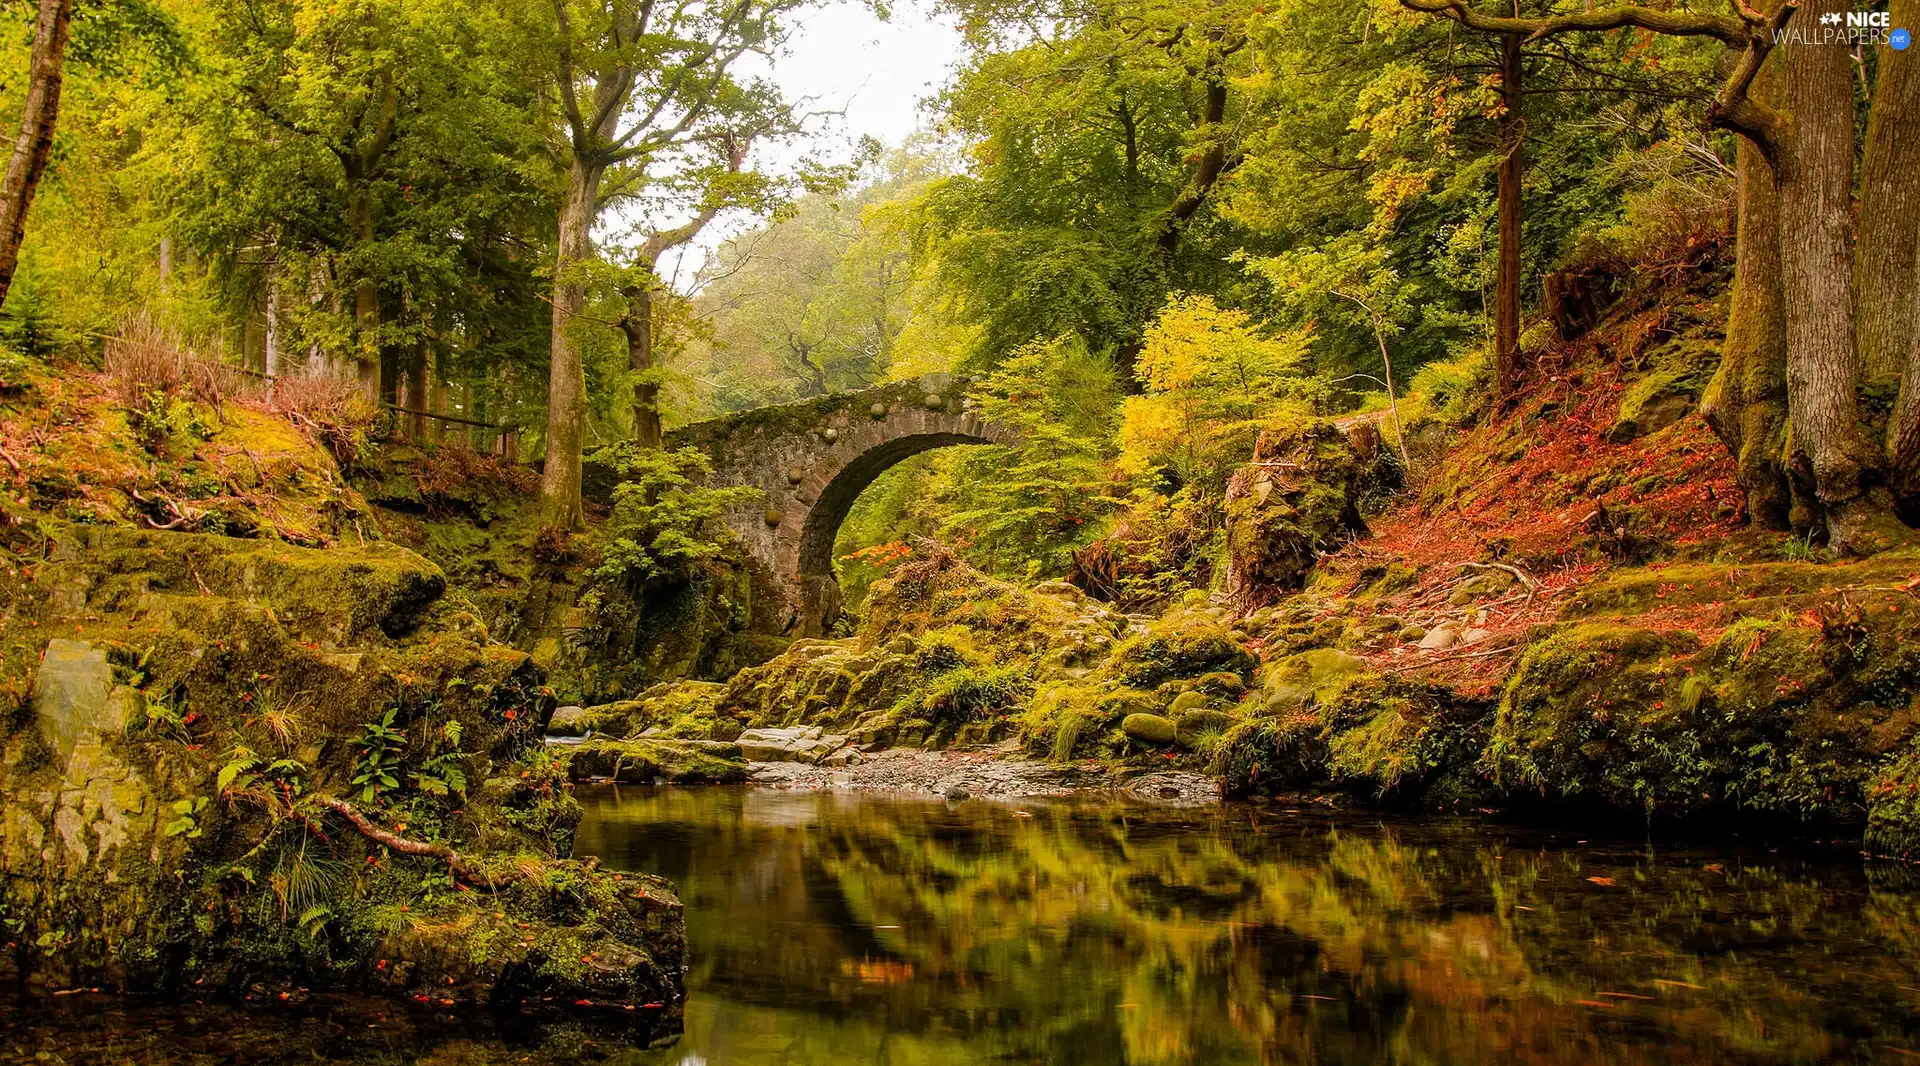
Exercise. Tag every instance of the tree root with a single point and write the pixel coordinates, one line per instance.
(1529, 582)
(461, 868)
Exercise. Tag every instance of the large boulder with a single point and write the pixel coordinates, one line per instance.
(1297, 495)
(1148, 729)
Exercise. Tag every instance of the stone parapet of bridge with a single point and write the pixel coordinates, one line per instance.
(812, 459)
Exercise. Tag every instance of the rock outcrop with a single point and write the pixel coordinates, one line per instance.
(243, 762)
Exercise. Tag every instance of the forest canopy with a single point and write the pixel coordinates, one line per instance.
(1147, 229)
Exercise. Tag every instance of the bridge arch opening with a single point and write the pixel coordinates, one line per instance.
(820, 585)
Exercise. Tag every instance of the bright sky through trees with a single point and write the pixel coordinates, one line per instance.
(843, 58)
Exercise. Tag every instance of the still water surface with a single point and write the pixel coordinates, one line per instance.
(830, 929)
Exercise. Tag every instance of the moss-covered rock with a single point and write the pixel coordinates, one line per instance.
(1148, 729)
(1297, 495)
(1271, 755)
(333, 595)
(1187, 643)
(1199, 730)
(1805, 716)
(1313, 674)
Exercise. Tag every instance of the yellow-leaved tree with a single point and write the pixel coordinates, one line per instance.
(1212, 380)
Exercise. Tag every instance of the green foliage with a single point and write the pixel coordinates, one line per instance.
(186, 818)
(959, 684)
(1453, 390)
(665, 521)
(1022, 509)
(818, 299)
(376, 767)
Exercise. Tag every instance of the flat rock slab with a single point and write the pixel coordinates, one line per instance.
(985, 775)
(804, 744)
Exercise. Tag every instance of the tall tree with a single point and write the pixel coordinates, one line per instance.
(640, 86)
(1512, 175)
(38, 116)
(360, 163)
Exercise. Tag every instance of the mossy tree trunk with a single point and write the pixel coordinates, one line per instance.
(1889, 261)
(567, 381)
(638, 326)
(1815, 177)
(1746, 403)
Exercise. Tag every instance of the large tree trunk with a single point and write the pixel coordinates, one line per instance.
(38, 117)
(366, 308)
(1823, 366)
(566, 381)
(1506, 321)
(1888, 262)
(1746, 403)
(638, 325)
(1884, 278)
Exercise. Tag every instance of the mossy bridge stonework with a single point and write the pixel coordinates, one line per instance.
(811, 460)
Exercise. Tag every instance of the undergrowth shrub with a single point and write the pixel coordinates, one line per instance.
(153, 369)
(1453, 390)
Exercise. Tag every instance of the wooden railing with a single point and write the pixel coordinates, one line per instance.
(503, 441)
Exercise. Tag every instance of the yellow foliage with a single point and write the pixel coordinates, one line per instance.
(1211, 377)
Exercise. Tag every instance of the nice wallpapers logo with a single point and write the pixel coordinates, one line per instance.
(1849, 28)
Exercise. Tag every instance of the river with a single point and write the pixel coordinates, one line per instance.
(839, 928)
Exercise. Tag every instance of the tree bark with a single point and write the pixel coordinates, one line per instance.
(1815, 173)
(437, 397)
(1506, 322)
(39, 115)
(566, 381)
(1888, 261)
(415, 394)
(1884, 276)
(274, 358)
(1746, 403)
(638, 326)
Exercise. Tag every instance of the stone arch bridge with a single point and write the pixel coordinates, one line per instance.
(811, 460)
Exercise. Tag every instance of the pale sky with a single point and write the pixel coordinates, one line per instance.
(841, 58)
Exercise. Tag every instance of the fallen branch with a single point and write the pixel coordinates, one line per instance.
(461, 867)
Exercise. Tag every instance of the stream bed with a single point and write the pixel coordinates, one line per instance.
(832, 928)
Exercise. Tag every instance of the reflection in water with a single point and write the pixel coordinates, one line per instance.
(849, 929)
(833, 929)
